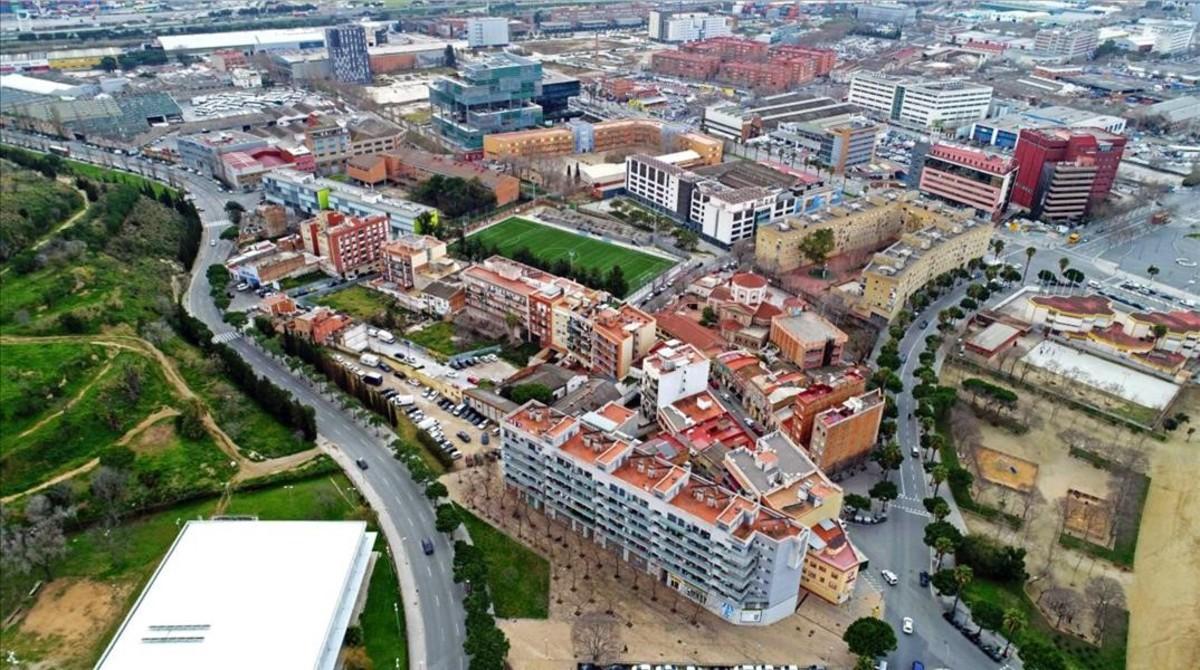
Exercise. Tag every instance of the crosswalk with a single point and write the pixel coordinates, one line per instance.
(223, 338)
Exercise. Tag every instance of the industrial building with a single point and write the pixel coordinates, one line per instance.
(206, 607)
(249, 41)
(1070, 43)
(886, 12)
(494, 94)
(919, 102)
(487, 31)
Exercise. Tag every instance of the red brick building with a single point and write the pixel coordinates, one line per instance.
(729, 48)
(824, 60)
(347, 245)
(684, 64)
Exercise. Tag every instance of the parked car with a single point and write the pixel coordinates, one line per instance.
(483, 438)
(924, 577)
(462, 435)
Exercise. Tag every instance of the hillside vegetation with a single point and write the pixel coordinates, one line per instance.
(30, 206)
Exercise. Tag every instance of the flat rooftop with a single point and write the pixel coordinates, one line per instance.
(247, 594)
(1102, 374)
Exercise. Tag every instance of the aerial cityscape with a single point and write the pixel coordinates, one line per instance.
(549, 335)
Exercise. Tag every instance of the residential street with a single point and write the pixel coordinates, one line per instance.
(432, 601)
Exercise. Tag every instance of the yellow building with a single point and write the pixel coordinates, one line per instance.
(897, 272)
(863, 224)
(599, 138)
(832, 563)
(80, 59)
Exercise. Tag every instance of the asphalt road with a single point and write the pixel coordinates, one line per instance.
(433, 605)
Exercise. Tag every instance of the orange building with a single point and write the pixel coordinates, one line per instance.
(347, 245)
(818, 398)
(844, 435)
(760, 77)
(684, 64)
(320, 325)
(603, 137)
(416, 165)
(807, 339)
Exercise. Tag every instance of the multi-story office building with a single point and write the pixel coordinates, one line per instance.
(836, 144)
(844, 435)
(919, 102)
(862, 226)
(308, 194)
(724, 203)
(1070, 43)
(329, 143)
(671, 372)
(348, 59)
(735, 557)
(557, 91)
(886, 12)
(739, 123)
(968, 178)
(686, 27)
(487, 31)
(1064, 172)
(348, 245)
(1003, 131)
(807, 339)
(490, 95)
(897, 272)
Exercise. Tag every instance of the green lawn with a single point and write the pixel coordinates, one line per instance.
(1079, 654)
(98, 173)
(519, 579)
(357, 301)
(295, 282)
(551, 244)
(440, 337)
(36, 379)
(382, 618)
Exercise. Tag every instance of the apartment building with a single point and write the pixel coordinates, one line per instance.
(1065, 172)
(348, 245)
(672, 371)
(329, 143)
(494, 94)
(824, 60)
(604, 339)
(499, 290)
(897, 272)
(968, 178)
(844, 435)
(737, 558)
(347, 47)
(686, 26)
(1069, 43)
(807, 339)
(577, 137)
(830, 391)
(1169, 36)
(320, 325)
(686, 65)
(487, 31)
(769, 77)
(308, 194)
(413, 165)
(832, 563)
(723, 203)
(920, 102)
(861, 225)
(406, 258)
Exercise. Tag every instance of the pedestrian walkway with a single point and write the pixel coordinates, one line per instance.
(223, 338)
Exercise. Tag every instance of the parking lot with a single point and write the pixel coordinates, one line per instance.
(459, 430)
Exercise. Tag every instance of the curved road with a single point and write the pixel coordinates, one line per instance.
(432, 601)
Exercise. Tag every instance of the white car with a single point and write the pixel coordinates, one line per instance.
(890, 577)
(908, 625)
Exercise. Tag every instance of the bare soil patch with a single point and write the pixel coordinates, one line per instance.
(75, 613)
(1000, 468)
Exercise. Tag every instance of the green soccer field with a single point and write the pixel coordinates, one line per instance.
(551, 244)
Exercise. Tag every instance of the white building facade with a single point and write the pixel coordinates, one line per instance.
(672, 372)
(487, 31)
(919, 102)
(689, 27)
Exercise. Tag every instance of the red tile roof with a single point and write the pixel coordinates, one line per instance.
(1082, 305)
(686, 330)
(748, 280)
(1179, 321)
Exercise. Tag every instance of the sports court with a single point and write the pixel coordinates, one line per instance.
(550, 244)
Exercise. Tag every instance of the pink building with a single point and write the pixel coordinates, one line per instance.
(968, 178)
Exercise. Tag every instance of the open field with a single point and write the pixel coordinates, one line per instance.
(1006, 470)
(32, 206)
(551, 244)
(357, 301)
(518, 578)
(442, 338)
(68, 622)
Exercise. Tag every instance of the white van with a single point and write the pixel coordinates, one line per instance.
(369, 360)
(385, 336)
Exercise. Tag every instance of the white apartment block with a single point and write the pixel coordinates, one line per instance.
(735, 557)
(670, 372)
(689, 27)
(1169, 36)
(487, 31)
(919, 102)
(1069, 43)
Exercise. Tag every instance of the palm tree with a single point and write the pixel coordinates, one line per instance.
(1062, 264)
(997, 247)
(1014, 620)
(963, 574)
(1029, 252)
(939, 473)
(1152, 271)
(942, 546)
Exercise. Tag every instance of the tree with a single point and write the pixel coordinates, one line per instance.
(944, 583)
(685, 239)
(938, 474)
(436, 490)
(108, 64)
(962, 576)
(889, 457)
(988, 615)
(596, 637)
(870, 637)
(234, 210)
(36, 544)
(942, 546)
(1074, 276)
(1065, 603)
(1152, 271)
(1029, 254)
(816, 247)
(615, 283)
(1063, 263)
(428, 223)
(109, 487)
(1013, 623)
(446, 518)
(939, 529)
(1104, 594)
(523, 393)
(884, 492)
(708, 317)
(997, 246)
(856, 501)
(448, 57)
(938, 507)
(968, 303)
(1038, 654)
(190, 422)
(1159, 331)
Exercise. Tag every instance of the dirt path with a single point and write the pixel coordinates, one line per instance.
(83, 469)
(70, 403)
(65, 224)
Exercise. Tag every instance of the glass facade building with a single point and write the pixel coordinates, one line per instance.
(490, 95)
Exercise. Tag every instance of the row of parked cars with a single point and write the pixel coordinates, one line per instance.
(464, 363)
(434, 428)
(993, 651)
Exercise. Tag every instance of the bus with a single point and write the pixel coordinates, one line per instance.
(59, 151)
